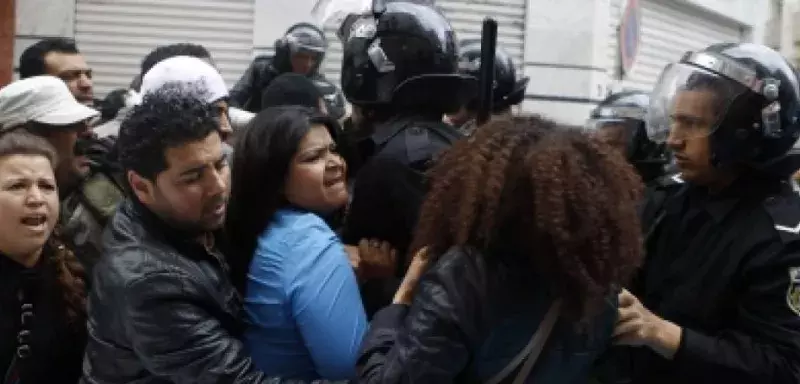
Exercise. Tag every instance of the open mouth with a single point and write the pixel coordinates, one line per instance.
(34, 221)
(218, 210)
(333, 181)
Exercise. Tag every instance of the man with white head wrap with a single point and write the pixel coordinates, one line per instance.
(191, 70)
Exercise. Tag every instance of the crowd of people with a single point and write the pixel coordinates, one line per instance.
(179, 231)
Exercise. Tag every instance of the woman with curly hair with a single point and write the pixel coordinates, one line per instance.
(42, 289)
(528, 229)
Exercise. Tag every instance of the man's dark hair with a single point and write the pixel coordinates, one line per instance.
(174, 115)
(724, 90)
(167, 51)
(291, 89)
(31, 62)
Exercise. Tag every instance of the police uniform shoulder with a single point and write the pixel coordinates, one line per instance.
(669, 180)
(417, 143)
(784, 211)
(320, 77)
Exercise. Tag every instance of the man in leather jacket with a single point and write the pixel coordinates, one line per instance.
(301, 50)
(163, 308)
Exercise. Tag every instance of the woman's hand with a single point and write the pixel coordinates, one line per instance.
(419, 264)
(372, 259)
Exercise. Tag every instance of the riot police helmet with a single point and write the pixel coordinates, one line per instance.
(507, 89)
(743, 97)
(301, 49)
(620, 120)
(406, 55)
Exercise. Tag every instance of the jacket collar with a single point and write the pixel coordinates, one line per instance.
(185, 241)
(721, 204)
(387, 130)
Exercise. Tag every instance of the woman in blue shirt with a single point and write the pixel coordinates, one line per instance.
(302, 303)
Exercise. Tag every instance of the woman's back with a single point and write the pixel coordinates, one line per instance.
(518, 305)
(511, 232)
(471, 319)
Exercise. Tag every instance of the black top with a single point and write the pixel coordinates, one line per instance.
(51, 350)
(726, 268)
(470, 317)
(389, 190)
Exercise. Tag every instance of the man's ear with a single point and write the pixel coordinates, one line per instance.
(143, 188)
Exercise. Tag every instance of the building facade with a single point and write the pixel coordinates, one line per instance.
(568, 47)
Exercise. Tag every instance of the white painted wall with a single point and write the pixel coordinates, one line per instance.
(274, 17)
(576, 32)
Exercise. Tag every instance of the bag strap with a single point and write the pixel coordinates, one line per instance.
(532, 350)
(12, 373)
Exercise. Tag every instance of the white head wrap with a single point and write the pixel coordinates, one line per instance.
(185, 69)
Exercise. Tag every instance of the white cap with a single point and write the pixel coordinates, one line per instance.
(43, 99)
(185, 69)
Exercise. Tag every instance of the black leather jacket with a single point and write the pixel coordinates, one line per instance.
(163, 309)
(468, 320)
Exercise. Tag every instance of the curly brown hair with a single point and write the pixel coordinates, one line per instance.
(559, 196)
(70, 280)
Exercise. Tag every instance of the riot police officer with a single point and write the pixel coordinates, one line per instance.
(620, 120)
(507, 89)
(400, 73)
(718, 298)
(300, 50)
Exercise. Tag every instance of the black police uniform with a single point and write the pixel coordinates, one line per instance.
(246, 93)
(403, 63)
(390, 186)
(389, 190)
(725, 266)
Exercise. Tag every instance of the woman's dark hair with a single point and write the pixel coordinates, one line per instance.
(261, 159)
(558, 199)
(70, 276)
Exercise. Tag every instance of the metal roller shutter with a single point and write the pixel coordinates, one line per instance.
(332, 66)
(114, 36)
(668, 30)
(466, 17)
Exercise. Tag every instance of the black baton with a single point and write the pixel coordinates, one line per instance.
(488, 46)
